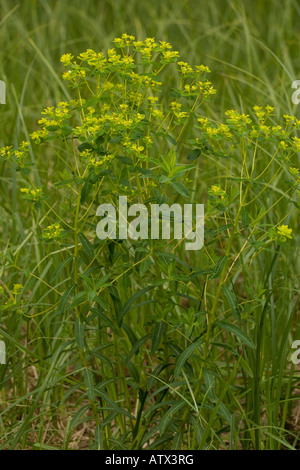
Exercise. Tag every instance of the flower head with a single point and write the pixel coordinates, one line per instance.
(284, 232)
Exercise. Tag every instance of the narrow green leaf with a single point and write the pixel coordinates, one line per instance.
(78, 415)
(184, 356)
(170, 139)
(107, 321)
(245, 218)
(79, 298)
(237, 332)
(222, 411)
(66, 297)
(129, 303)
(102, 359)
(86, 245)
(180, 188)
(86, 189)
(130, 333)
(246, 367)
(157, 335)
(111, 402)
(210, 385)
(168, 415)
(193, 155)
(218, 268)
(79, 333)
(226, 346)
(85, 146)
(60, 267)
(231, 297)
(137, 345)
(89, 383)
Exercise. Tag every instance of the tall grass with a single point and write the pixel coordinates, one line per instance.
(172, 392)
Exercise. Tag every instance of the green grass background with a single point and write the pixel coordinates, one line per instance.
(252, 49)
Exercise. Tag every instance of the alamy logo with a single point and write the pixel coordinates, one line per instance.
(296, 354)
(2, 92)
(185, 227)
(2, 353)
(296, 94)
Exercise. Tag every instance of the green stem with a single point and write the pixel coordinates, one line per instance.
(211, 317)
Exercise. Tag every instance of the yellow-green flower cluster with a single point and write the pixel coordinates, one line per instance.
(294, 171)
(59, 112)
(56, 120)
(216, 190)
(114, 62)
(39, 136)
(151, 102)
(263, 113)
(110, 122)
(181, 116)
(124, 97)
(133, 149)
(240, 125)
(175, 106)
(74, 73)
(125, 40)
(17, 289)
(6, 152)
(205, 89)
(156, 113)
(266, 130)
(18, 155)
(278, 132)
(149, 50)
(86, 154)
(169, 56)
(52, 231)
(283, 145)
(296, 143)
(33, 195)
(92, 58)
(185, 69)
(218, 132)
(143, 81)
(218, 198)
(190, 89)
(289, 118)
(97, 163)
(13, 294)
(148, 141)
(67, 59)
(237, 120)
(284, 232)
(201, 89)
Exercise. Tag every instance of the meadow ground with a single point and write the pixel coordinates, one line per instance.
(135, 345)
